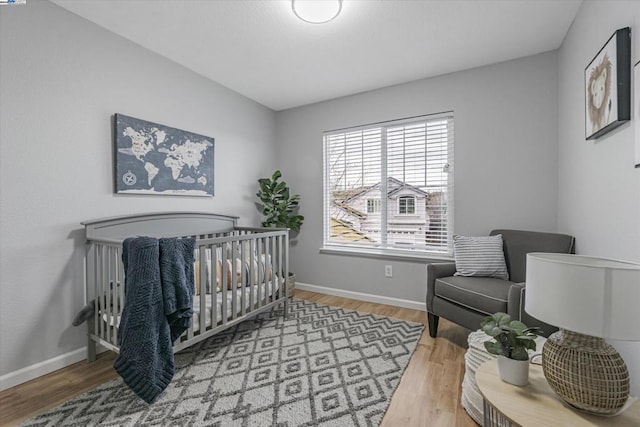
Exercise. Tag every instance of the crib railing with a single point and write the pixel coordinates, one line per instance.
(246, 269)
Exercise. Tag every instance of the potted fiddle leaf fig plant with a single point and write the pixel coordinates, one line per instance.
(279, 206)
(280, 209)
(512, 340)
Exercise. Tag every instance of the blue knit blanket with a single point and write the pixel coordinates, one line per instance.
(157, 310)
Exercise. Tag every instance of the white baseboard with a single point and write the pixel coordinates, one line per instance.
(396, 302)
(39, 369)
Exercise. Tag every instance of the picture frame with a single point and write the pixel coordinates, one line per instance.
(607, 84)
(155, 159)
(636, 112)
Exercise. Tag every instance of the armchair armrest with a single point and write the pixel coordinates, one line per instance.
(515, 309)
(515, 301)
(435, 271)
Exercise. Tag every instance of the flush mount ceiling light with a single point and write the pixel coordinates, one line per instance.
(316, 11)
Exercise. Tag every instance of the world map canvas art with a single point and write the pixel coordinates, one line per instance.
(155, 159)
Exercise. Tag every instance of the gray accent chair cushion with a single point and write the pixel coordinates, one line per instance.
(484, 294)
(468, 300)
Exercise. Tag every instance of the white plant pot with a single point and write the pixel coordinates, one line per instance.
(514, 372)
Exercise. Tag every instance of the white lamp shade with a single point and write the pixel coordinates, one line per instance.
(592, 296)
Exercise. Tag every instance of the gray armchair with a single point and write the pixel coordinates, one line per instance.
(468, 300)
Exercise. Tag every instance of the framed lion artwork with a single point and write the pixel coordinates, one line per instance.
(636, 111)
(607, 81)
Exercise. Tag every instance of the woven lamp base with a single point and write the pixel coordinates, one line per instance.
(586, 372)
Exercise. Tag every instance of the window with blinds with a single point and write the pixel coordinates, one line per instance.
(390, 185)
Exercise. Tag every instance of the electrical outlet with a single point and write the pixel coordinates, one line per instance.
(388, 271)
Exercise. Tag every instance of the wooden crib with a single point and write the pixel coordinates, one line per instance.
(239, 271)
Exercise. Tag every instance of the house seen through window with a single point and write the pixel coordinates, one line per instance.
(390, 185)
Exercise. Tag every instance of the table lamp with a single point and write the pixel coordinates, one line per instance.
(588, 299)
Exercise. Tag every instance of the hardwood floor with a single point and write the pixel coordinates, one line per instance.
(428, 394)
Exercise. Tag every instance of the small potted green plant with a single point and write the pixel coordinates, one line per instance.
(512, 340)
(280, 209)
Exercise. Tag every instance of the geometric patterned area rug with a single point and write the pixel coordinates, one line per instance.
(323, 366)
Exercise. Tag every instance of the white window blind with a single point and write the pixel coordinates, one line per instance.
(405, 166)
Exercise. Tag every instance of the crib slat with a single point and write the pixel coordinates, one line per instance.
(284, 292)
(114, 294)
(274, 266)
(104, 281)
(266, 279)
(286, 268)
(223, 285)
(94, 292)
(120, 294)
(267, 267)
(243, 278)
(98, 288)
(261, 270)
(202, 255)
(213, 279)
(234, 280)
(188, 334)
(277, 273)
(267, 270)
(107, 293)
(274, 272)
(283, 275)
(252, 272)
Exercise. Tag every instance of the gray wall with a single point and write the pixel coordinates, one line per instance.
(505, 162)
(517, 164)
(598, 187)
(61, 79)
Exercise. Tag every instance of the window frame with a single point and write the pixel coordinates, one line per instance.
(406, 199)
(384, 250)
(375, 205)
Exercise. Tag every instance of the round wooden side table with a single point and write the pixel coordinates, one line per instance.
(536, 404)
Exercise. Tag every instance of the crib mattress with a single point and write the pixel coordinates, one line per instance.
(219, 296)
(265, 291)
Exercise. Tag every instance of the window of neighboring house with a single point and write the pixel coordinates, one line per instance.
(406, 205)
(373, 205)
(413, 154)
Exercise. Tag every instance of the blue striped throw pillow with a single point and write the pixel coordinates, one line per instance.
(480, 256)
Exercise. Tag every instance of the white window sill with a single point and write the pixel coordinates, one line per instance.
(399, 255)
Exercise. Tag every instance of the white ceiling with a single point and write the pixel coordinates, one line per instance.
(261, 50)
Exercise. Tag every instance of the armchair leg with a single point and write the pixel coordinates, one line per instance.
(432, 319)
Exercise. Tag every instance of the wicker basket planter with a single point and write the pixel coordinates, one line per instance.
(291, 284)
